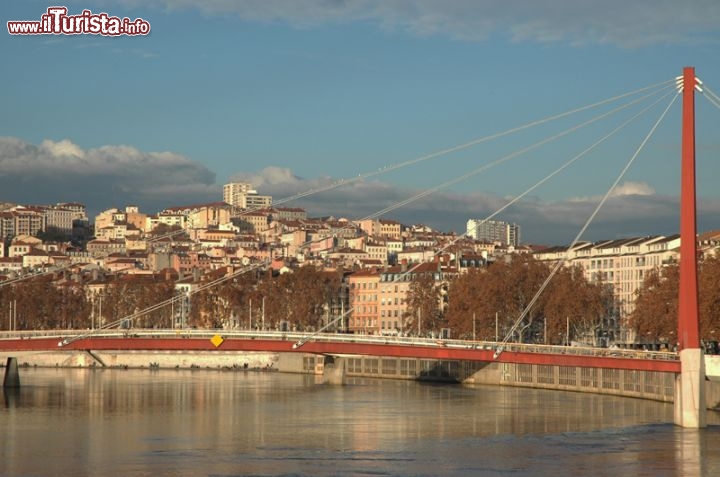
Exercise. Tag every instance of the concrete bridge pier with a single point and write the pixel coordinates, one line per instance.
(12, 377)
(690, 403)
(334, 370)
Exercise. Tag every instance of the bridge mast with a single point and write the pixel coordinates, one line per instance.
(690, 406)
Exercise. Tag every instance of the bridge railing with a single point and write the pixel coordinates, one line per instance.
(340, 338)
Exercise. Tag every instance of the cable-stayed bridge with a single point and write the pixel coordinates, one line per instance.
(687, 363)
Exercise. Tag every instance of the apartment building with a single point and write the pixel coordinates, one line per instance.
(363, 291)
(7, 225)
(243, 196)
(494, 231)
(169, 219)
(381, 228)
(115, 223)
(377, 251)
(62, 219)
(233, 192)
(28, 221)
(379, 297)
(622, 264)
(202, 216)
(288, 213)
(394, 288)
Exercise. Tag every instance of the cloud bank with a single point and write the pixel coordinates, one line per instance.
(116, 176)
(108, 176)
(579, 22)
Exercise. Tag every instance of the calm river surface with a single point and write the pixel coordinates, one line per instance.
(196, 423)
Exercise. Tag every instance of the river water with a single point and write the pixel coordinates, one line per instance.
(79, 422)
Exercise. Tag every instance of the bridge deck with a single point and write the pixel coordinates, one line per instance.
(199, 341)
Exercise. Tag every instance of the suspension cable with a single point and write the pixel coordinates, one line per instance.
(342, 182)
(423, 158)
(711, 96)
(485, 167)
(346, 181)
(400, 277)
(561, 262)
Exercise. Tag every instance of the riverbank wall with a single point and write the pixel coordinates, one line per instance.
(654, 385)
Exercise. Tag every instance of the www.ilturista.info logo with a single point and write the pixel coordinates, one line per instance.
(57, 22)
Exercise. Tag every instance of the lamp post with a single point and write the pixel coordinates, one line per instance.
(474, 326)
(567, 331)
(496, 327)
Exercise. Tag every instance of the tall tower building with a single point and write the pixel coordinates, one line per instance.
(494, 231)
(242, 195)
(233, 193)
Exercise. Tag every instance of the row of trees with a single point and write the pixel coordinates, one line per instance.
(259, 300)
(254, 299)
(38, 304)
(655, 318)
(483, 304)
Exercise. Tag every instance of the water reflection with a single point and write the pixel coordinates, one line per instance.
(168, 422)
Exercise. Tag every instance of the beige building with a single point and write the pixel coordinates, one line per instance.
(288, 213)
(61, 219)
(105, 219)
(381, 228)
(394, 288)
(377, 251)
(416, 255)
(390, 229)
(379, 298)
(169, 219)
(349, 257)
(35, 258)
(28, 220)
(201, 216)
(622, 264)
(115, 223)
(257, 221)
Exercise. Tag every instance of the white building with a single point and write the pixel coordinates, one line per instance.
(494, 231)
(242, 195)
(621, 264)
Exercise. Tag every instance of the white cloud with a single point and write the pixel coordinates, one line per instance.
(62, 148)
(269, 177)
(62, 170)
(621, 190)
(619, 22)
(632, 188)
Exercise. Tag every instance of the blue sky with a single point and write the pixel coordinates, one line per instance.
(295, 94)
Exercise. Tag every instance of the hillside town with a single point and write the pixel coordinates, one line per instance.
(377, 260)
